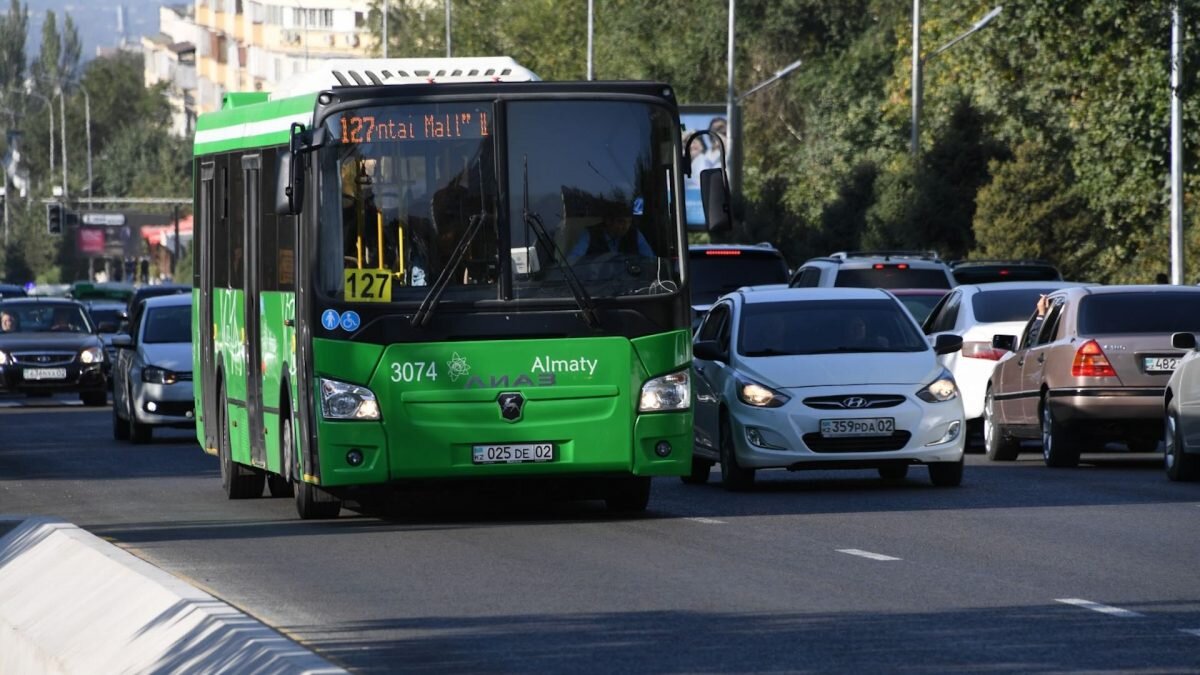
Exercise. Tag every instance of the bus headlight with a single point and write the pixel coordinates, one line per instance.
(669, 392)
(91, 355)
(344, 401)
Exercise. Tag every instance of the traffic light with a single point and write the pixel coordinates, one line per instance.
(54, 218)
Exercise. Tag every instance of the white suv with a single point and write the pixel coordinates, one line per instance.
(875, 269)
(819, 379)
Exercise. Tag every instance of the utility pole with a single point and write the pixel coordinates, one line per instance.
(62, 118)
(732, 165)
(915, 140)
(385, 40)
(591, 73)
(1176, 147)
(447, 28)
(175, 251)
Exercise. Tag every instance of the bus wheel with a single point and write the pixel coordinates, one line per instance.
(312, 503)
(630, 494)
(699, 473)
(238, 481)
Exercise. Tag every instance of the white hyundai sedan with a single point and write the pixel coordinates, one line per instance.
(822, 378)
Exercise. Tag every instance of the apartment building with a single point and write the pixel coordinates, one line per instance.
(211, 47)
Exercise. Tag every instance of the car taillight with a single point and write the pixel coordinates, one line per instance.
(1090, 361)
(982, 350)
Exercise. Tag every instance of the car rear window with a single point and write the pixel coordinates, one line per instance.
(716, 272)
(919, 305)
(986, 274)
(1012, 305)
(827, 327)
(892, 275)
(1113, 313)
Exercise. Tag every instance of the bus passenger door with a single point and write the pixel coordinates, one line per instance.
(207, 367)
(252, 217)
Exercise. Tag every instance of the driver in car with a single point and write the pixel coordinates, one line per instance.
(615, 234)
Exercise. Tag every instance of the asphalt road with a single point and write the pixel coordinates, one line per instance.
(786, 578)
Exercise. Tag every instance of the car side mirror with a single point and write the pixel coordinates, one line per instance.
(1183, 340)
(947, 344)
(122, 341)
(714, 197)
(709, 350)
(1006, 343)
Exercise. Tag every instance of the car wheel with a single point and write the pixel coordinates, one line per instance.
(312, 503)
(699, 472)
(94, 399)
(120, 429)
(997, 444)
(628, 495)
(239, 482)
(946, 474)
(1181, 466)
(733, 476)
(893, 472)
(1059, 447)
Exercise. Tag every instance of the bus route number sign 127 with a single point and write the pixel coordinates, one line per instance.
(368, 285)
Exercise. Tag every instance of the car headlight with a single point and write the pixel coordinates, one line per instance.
(3, 358)
(941, 389)
(668, 392)
(91, 355)
(758, 395)
(155, 375)
(344, 401)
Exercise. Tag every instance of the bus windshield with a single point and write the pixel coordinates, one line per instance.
(407, 189)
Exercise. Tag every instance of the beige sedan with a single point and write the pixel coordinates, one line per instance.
(1092, 371)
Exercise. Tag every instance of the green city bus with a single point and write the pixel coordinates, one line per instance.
(412, 271)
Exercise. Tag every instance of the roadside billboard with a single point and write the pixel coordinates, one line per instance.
(703, 154)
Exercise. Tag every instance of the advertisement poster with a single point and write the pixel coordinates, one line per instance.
(91, 240)
(703, 154)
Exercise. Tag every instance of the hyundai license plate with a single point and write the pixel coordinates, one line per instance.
(516, 453)
(45, 373)
(866, 426)
(1160, 364)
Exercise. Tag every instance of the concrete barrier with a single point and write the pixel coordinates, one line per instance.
(72, 603)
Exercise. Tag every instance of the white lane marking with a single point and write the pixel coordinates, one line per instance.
(866, 554)
(706, 521)
(1190, 631)
(1097, 607)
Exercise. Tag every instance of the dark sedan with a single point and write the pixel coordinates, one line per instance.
(50, 346)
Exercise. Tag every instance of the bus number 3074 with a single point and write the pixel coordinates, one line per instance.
(414, 371)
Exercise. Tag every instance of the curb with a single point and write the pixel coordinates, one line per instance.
(72, 603)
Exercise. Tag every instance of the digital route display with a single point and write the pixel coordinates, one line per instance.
(412, 124)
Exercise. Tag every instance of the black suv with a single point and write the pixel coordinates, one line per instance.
(990, 271)
(717, 269)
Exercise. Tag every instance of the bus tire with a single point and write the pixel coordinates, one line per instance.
(699, 473)
(312, 503)
(239, 482)
(628, 495)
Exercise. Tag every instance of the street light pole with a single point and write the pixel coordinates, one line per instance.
(919, 63)
(591, 73)
(447, 28)
(731, 116)
(385, 27)
(1176, 147)
(87, 122)
(62, 118)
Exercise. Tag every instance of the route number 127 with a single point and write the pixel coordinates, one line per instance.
(368, 286)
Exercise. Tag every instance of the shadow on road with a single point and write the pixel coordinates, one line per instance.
(1013, 639)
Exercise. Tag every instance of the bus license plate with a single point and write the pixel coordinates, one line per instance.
(513, 454)
(45, 373)
(1160, 364)
(866, 426)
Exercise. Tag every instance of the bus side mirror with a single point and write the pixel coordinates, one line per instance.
(289, 174)
(714, 196)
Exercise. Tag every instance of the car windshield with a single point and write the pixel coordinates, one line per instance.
(1007, 305)
(827, 327)
(39, 318)
(405, 189)
(716, 272)
(891, 275)
(168, 324)
(1116, 313)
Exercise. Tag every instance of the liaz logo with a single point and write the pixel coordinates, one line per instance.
(517, 380)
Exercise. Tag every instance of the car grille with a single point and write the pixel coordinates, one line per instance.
(43, 358)
(854, 401)
(818, 443)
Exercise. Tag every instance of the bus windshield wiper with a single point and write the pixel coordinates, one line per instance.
(534, 222)
(429, 304)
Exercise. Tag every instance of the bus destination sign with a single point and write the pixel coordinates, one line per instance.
(434, 126)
